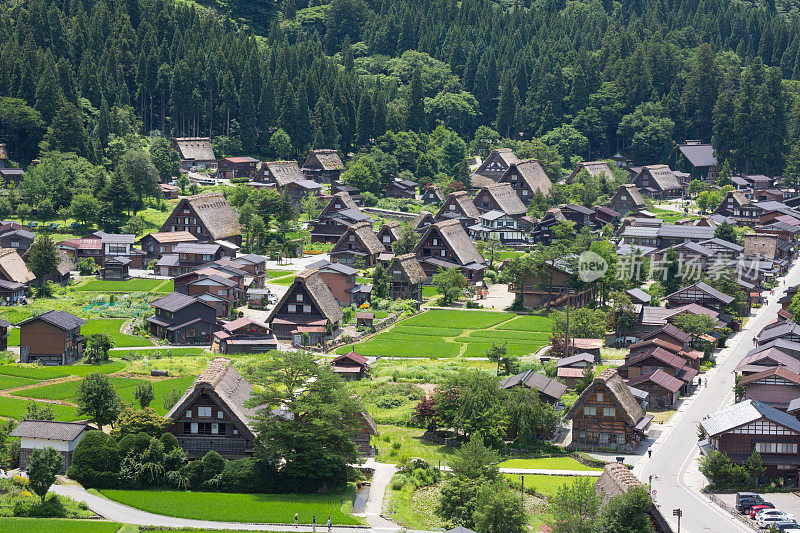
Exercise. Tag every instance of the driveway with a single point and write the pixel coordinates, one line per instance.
(676, 448)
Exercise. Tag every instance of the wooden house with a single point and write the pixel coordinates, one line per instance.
(336, 217)
(406, 277)
(13, 268)
(341, 281)
(662, 388)
(237, 167)
(550, 391)
(307, 307)
(658, 181)
(739, 207)
(281, 173)
(297, 191)
(459, 206)
(498, 225)
(499, 197)
(243, 335)
(354, 193)
(493, 167)
(571, 369)
(607, 415)
(169, 192)
(358, 246)
(215, 289)
(11, 293)
(187, 256)
(3, 155)
(115, 268)
(364, 319)
(525, 178)
(52, 338)
(400, 188)
(750, 425)
(16, 237)
(432, 195)
(63, 437)
(698, 158)
(156, 245)
(699, 293)
(543, 230)
(776, 387)
(604, 216)
(671, 334)
(596, 169)
(350, 366)
(423, 220)
(183, 319)
(788, 330)
(446, 245)
(195, 152)
(213, 415)
(207, 216)
(555, 287)
(616, 479)
(323, 166)
(11, 177)
(389, 233)
(367, 428)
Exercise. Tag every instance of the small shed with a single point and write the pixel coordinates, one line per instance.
(350, 366)
(364, 319)
(40, 434)
(591, 346)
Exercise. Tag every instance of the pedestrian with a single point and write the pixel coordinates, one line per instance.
(329, 523)
(649, 452)
(314, 523)
(295, 519)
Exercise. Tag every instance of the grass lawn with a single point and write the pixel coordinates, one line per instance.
(541, 483)
(131, 285)
(270, 508)
(412, 509)
(282, 280)
(66, 390)
(13, 337)
(410, 445)
(428, 292)
(388, 344)
(661, 416)
(548, 463)
(52, 372)
(277, 273)
(111, 327)
(160, 389)
(9, 382)
(156, 352)
(56, 525)
(15, 408)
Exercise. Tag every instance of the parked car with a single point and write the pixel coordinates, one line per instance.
(789, 526)
(761, 506)
(773, 512)
(765, 520)
(272, 299)
(745, 504)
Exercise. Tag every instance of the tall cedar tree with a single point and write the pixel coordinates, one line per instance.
(43, 258)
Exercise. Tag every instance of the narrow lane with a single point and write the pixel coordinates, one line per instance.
(676, 447)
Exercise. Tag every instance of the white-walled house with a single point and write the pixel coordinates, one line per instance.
(40, 434)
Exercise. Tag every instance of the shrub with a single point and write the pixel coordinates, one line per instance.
(87, 266)
(213, 464)
(398, 481)
(169, 441)
(248, 476)
(95, 461)
(32, 507)
(133, 444)
(132, 421)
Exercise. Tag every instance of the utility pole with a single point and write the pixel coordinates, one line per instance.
(522, 476)
(679, 514)
(566, 335)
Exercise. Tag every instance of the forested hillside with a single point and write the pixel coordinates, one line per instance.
(585, 77)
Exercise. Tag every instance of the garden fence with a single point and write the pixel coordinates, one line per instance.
(741, 518)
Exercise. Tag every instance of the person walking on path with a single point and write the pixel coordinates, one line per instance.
(295, 519)
(649, 452)
(329, 523)
(314, 523)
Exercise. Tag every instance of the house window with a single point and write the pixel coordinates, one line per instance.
(443, 253)
(386, 239)
(307, 309)
(222, 292)
(609, 411)
(204, 412)
(214, 428)
(621, 438)
(194, 427)
(220, 414)
(589, 410)
(187, 427)
(599, 396)
(235, 431)
(15, 244)
(435, 242)
(292, 308)
(776, 447)
(206, 257)
(603, 438)
(452, 207)
(299, 297)
(189, 413)
(524, 192)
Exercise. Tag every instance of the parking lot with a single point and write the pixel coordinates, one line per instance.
(788, 502)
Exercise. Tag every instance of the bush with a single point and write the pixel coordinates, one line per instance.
(213, 464)
(398, 481)
(169, 441)
(87, 266)
(95, 461)
(134, 444)
(133, 421)
(32, 507)
(248, 476)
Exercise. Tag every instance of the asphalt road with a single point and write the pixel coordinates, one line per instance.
(677, 446)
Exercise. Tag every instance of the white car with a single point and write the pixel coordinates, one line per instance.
(765, 520)
(773, 512)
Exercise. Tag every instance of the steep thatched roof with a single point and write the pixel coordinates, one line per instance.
(663, 176)
(409, 265)
(325, 159)
(464, 205)
(195, 148)
(453, 233)
(13, 268)
(531, 172)
(284, 172)
(363, 234)
(594, 168)
(505, 197)
(215, 212)
(313, 285)
(619, 393)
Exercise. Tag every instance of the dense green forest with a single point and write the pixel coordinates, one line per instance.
(585, 78)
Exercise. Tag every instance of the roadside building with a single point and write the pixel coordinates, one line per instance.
(51, 338)
(183, 319)
(308, 307)
(40, 434)
(207, 216)
(350, 366)
(550, 390)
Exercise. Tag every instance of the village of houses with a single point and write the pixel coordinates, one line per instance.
(213, 302)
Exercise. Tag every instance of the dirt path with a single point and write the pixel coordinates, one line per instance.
(7, 393)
